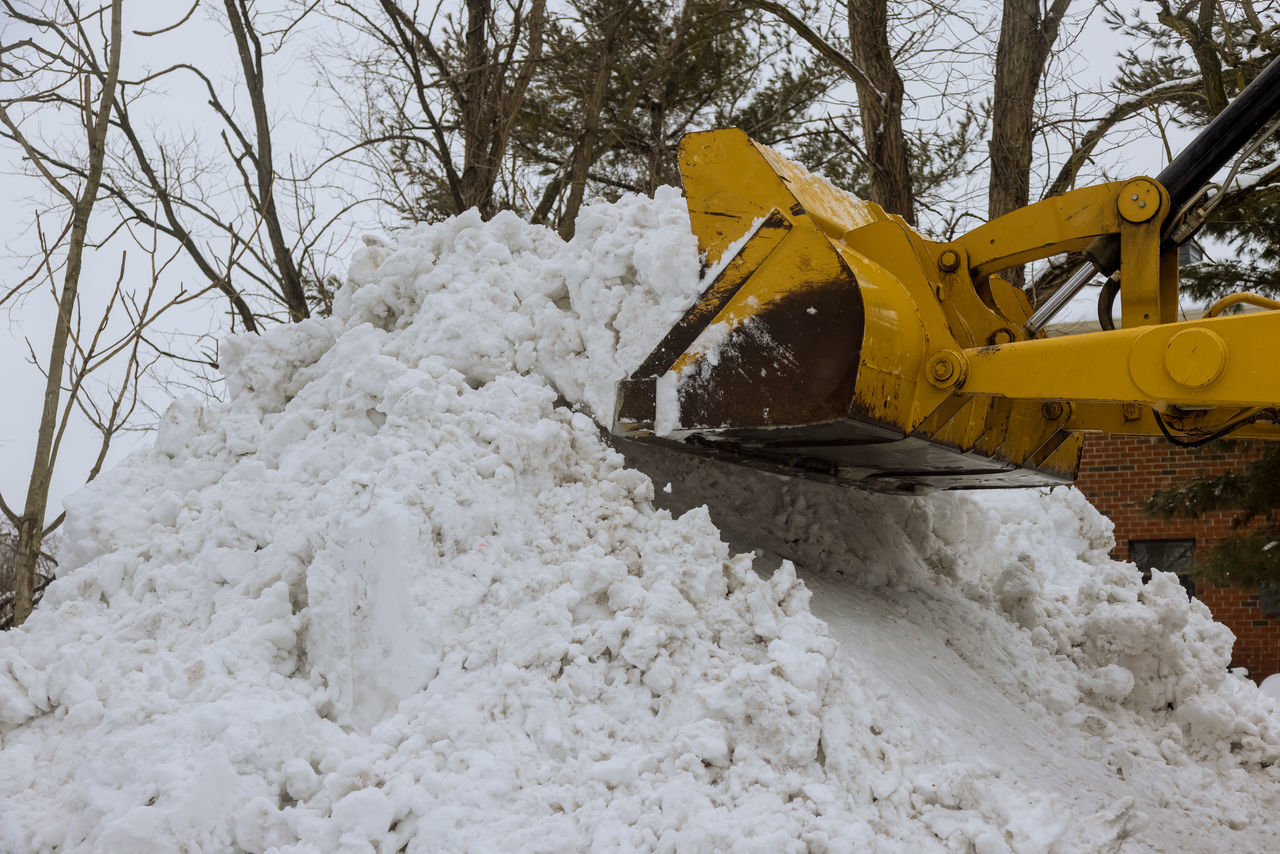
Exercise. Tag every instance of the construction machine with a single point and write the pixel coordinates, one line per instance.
(835, 342)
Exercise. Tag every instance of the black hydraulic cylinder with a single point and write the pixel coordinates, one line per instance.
(1213, 147)
(1229, 132)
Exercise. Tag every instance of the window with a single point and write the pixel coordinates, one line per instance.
(1269, 598)
(1167, 556)
(1190, 252)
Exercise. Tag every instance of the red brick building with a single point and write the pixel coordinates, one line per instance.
(1119, 473)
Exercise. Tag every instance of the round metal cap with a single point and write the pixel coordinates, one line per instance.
(1195, 358)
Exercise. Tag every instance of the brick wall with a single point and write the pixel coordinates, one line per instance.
(1119, 473)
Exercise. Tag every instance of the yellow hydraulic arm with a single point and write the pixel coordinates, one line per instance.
(1197, 376)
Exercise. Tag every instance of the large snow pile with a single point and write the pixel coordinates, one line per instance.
(397, 594)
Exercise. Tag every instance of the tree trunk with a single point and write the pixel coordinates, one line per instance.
(584, 151)
(477, 109)
(31, 523)
(490, 94)
(1025, 42)
(295, 297)
(880, 95)
(1198, 35)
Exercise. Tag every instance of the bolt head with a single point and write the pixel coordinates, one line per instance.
(1139, 201)
(945, 369)
(1051, 411)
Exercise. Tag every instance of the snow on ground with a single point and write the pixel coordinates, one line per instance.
(398, 595)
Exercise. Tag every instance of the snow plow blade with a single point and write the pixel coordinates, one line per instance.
(813, 349)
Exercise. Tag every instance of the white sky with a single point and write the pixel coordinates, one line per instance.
(206, 44)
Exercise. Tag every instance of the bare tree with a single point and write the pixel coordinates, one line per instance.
(265, 247)
(265, 256)
(444, 93)
(65, 65)
(880, 98)
(591, 100)
(67, 70)
(257, 150)
(585, 147)
(8, 571)
(1027, 36)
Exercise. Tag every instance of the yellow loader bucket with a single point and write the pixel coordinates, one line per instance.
(819, 348)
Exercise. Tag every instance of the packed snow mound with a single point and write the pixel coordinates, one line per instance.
(399, 593)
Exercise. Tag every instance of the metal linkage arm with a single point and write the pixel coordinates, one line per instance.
(1221, 361)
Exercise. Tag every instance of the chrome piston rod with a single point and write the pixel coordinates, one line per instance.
(1058, 300)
